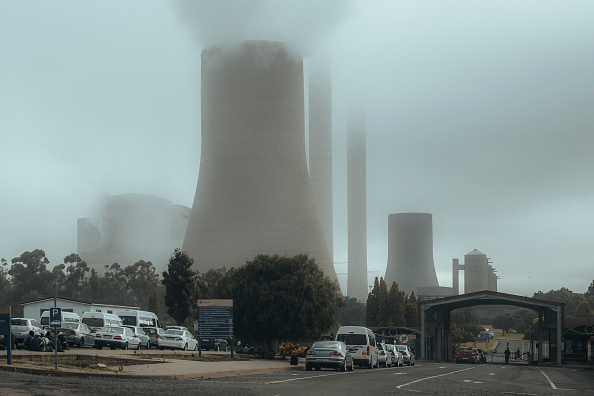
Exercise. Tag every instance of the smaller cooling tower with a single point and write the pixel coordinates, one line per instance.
(410, 251)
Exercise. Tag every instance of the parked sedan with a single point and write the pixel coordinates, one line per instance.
(178, 339)
(116, 337)
(214, 344)
(407, 355)
(330, 354)
(397, 359)
(144, 338)
(78, 334)
(154, 333)
(384, 357)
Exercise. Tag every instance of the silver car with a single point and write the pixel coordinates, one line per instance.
(116, 337)
(20, 327)
(385, 357)
(407, 355)
(78, 334)
(145, 340)
(397, 359)
(330, 354)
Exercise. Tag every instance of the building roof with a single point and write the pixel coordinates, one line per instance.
(89, 302)
(475, 253)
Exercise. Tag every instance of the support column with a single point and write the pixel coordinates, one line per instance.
(559, 329)
(423, 346)
(540, 346)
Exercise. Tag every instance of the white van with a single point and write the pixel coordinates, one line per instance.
(134, 317)
(96, 320)
(361, 343)
(67, 317)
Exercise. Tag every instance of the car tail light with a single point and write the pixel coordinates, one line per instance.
(335, 353)
(382, 353)
(72, 332)
(117, 337)
(393, 354)
(157, 335)
(97, 335)
(311, 353)
(403, 353)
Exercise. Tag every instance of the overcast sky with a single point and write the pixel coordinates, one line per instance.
(478, 112)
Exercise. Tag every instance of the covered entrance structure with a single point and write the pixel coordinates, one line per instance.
(434, 318)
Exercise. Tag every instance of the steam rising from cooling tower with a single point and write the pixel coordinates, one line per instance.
(410, 251)
(253, 194)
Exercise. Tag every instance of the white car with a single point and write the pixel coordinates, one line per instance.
(385, 357)
(116, 337)
(139, 332)
(177, 339)
(20, 327)
(397, 359)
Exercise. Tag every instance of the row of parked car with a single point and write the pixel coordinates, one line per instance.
(355, 345)
(120, 336)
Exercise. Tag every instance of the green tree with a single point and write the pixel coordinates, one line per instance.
(583, 310)
(372, 312)
(141, 280)
(523, 319)
(74, 283)
(29, 272)
(152, 305)
(590, 292)
(504, 322)
(280, 298)
(353, 313)
(384, 317)
(563, 295)
(396, 300)
(179, 286)
(464, 326)
(411, 311)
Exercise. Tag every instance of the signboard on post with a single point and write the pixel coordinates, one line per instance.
(55, 317)
(403, 338)
(215, 320)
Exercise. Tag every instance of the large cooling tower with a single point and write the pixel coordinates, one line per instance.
(410, 251)
(253, 194)
(357, 206)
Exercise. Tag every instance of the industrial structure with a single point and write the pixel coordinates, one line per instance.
(130, 228)
(320, 143)
(410, 251)
(479, 274)
(254, 194)
(357, 206)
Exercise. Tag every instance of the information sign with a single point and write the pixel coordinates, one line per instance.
(215, 319)
(403, 338)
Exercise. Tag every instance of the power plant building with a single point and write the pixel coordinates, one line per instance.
(130, 228)
(254, 194)
(410, 252)
(479, 275)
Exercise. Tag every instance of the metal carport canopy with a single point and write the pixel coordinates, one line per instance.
(487, 297)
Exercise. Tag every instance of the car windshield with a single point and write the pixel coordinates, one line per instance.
(326, 344)
(149, 331)
(174, 332)
(352, 339)
(19, 322)
(69, 326)
(116, 330)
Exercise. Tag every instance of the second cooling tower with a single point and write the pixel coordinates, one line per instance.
(254, 194)
(410, 251)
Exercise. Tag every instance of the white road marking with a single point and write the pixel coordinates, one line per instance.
(308, 377)
(435, 376)
(548, 379)
(491, 374)
(398, 373)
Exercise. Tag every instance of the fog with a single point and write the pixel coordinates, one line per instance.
(479, 113)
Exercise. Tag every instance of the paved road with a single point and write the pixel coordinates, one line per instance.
(423, 378)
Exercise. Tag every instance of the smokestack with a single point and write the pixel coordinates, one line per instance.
(320, 143)
(253, 194)
(357, 206)
(410, 251)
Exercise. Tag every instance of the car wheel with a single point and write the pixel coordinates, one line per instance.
(81, 342)
(124, 347)
(318, 368)
(307, 367)
(138, 348)
(351, 366)
(196, 346)
(186, 347)
(343, 368)
(100, 348)
(225, 348)
(162, 348)
(218, 348)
